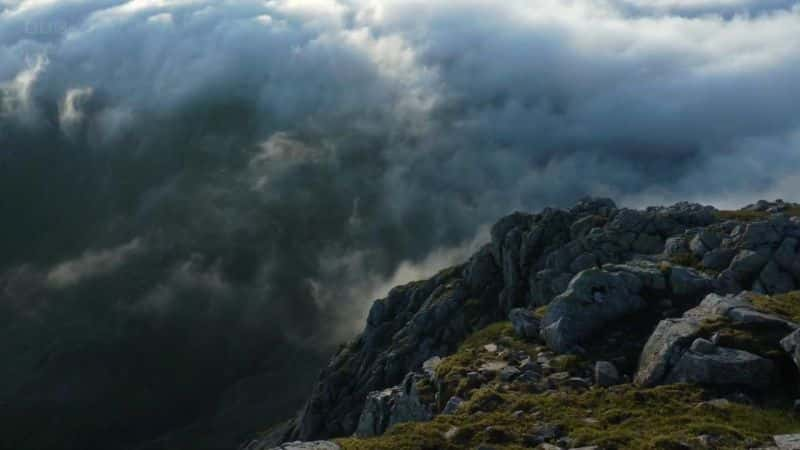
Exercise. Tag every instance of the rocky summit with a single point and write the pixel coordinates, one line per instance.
(594, 327)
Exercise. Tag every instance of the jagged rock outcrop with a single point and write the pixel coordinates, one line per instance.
(412, 324)
(676, 351)
(590, 265)
(388, 407)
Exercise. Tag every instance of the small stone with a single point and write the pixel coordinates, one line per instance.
(703, 346)
(559, 377)
(708, 440)
(452, 405)
(579, 383)
(517, 414)
(606, 374)
(528, 376)
(550, 432)
(430, 365)
(491, 348)
(547, 446)
(528, 364)
(451, 433)
(492, 367)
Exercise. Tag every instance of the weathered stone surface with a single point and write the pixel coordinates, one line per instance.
(675, 246)
(756, 235)
(689, 282)
(430, 365)
(774, 280)
(791, 344)
(788, 441)
(724, 366)
(747, 316)
(668, 342)
(648, 272)
(675, 354)
(525, 324)
(703, 346)
(606, 374)
(593, 298)
(747, 264)
(788, 256)
(388, 407)
(718, 259)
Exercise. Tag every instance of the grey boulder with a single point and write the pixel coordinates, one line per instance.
(593, 298)
(674, 354)
(722, 366)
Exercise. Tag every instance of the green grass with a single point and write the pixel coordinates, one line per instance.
(624, 417)
(453, 370)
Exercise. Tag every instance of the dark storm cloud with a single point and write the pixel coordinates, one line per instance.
(263, 169)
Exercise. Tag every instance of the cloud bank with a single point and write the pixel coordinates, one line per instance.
(241, 178)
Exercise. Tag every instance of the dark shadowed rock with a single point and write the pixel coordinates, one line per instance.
(687, 282)
(747, 264)
(791, 344)
(606, 374)
(723, 366)
(388, 407)
(525, 324)
(668, 342)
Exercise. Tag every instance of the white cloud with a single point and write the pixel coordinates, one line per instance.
(92, 263)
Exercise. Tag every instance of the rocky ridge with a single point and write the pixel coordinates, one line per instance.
(597, 297)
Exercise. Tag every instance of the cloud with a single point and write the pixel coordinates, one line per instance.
(92, 263)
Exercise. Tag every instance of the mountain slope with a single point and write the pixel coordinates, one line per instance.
(605, 294)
